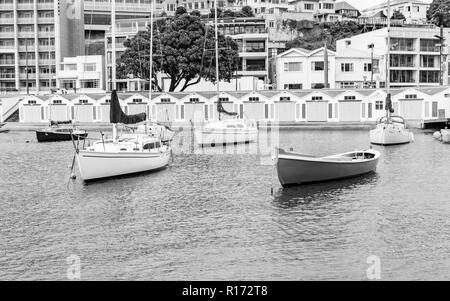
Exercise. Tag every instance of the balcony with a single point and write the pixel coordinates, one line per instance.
(23, 62)
(255, 68)
(7, 62)
(403, 48)
(434, 49)
(6, 21)
(25, 21)
(45, 6)
(7, 76)
(8, 34)
(46, 62)
(25, 6)
(26, 34)
(403, 65)
(29, 48)
(24, 76)
(46, 34)
(49, 20)
(7, 6)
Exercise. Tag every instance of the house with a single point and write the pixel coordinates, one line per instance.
(346, 10)
(414, 11)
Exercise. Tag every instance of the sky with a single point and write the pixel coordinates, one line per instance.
(361, 4)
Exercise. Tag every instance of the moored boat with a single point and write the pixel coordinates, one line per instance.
(55, 133)
(230, 131)
(391, 131)
(294, 168)
(123, 154)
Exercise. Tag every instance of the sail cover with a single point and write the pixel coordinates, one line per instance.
(221, 109)
(116, 115)
(58, 122)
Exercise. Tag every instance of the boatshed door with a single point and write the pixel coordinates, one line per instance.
(411, 109)
(32, 114)
(165, 112)
(316, 111)
(58, 112)
(350, 111)
(285, 111)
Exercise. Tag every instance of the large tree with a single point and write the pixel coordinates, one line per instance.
(183, 50)
(439, 12)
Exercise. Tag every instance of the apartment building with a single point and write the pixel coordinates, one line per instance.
(415, 59)
(34, 37)
(414, 11)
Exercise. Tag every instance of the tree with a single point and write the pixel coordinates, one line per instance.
(183, 50)
(439, 13)
(397, 15)
(247, 11)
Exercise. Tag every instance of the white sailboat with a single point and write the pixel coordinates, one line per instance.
(390, 130)
(126, 153)
(229, 131)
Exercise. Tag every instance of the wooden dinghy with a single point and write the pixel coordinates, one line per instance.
(294, 168)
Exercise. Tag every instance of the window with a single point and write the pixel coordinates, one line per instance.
(32, 102)
(224, 99)
(285, 98)
(57, 101)
(349, 97)
(83, 101)
(317, 66)
(317, 98)
(165, 99)
(293, 67)
(194, 100)
(379, 105)
(90, 67)
(137, 100)
(253, 99)
(411, 96)
(89, 84)
(367, 67)
(347, 67)
(309, 6)
(293, 86)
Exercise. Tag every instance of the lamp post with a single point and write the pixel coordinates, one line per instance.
(371, 47)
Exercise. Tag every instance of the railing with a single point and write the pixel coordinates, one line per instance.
(30, 76)
(6, 20)
(403, 65)
(25, 21)
(255, 68)
(24, 62)
(6, 6)
(402, 48)
(7, 62)
(7, 75)
(430, 49)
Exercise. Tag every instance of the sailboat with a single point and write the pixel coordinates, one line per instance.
(123, 154)
(126, 153)
(390, 130)
(225, 131)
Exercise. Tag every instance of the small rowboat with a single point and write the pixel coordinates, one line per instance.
(294, 168)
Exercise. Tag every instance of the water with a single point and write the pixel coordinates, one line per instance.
(212, 217)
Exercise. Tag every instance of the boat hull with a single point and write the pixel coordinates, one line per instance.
(205, 137)
(4, 130)
(445, 136)
(297, 170)
(46, 136)
(98, 165)
(390, 134)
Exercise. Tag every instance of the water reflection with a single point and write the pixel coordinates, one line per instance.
(328, 192)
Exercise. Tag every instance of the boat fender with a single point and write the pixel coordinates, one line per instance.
(73, 176)
(437, 135)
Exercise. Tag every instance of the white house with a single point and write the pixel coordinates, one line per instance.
(298, 69)
(83, 74)
(414, 11)
(356, 69)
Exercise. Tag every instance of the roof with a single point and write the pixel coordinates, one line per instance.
(343, 5)
(352, 53)
(395, 2)
(305, 52)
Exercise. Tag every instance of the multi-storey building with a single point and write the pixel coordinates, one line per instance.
(415, 58)
(34, 37)
(414, 11)
(84, 74)
(250, 34)
(302, 69)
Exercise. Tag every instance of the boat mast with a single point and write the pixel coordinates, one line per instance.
(217, 57)
(151, 57)
(388, 62)
(113, 57)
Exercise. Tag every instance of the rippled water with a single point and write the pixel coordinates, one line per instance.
(212, 217)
